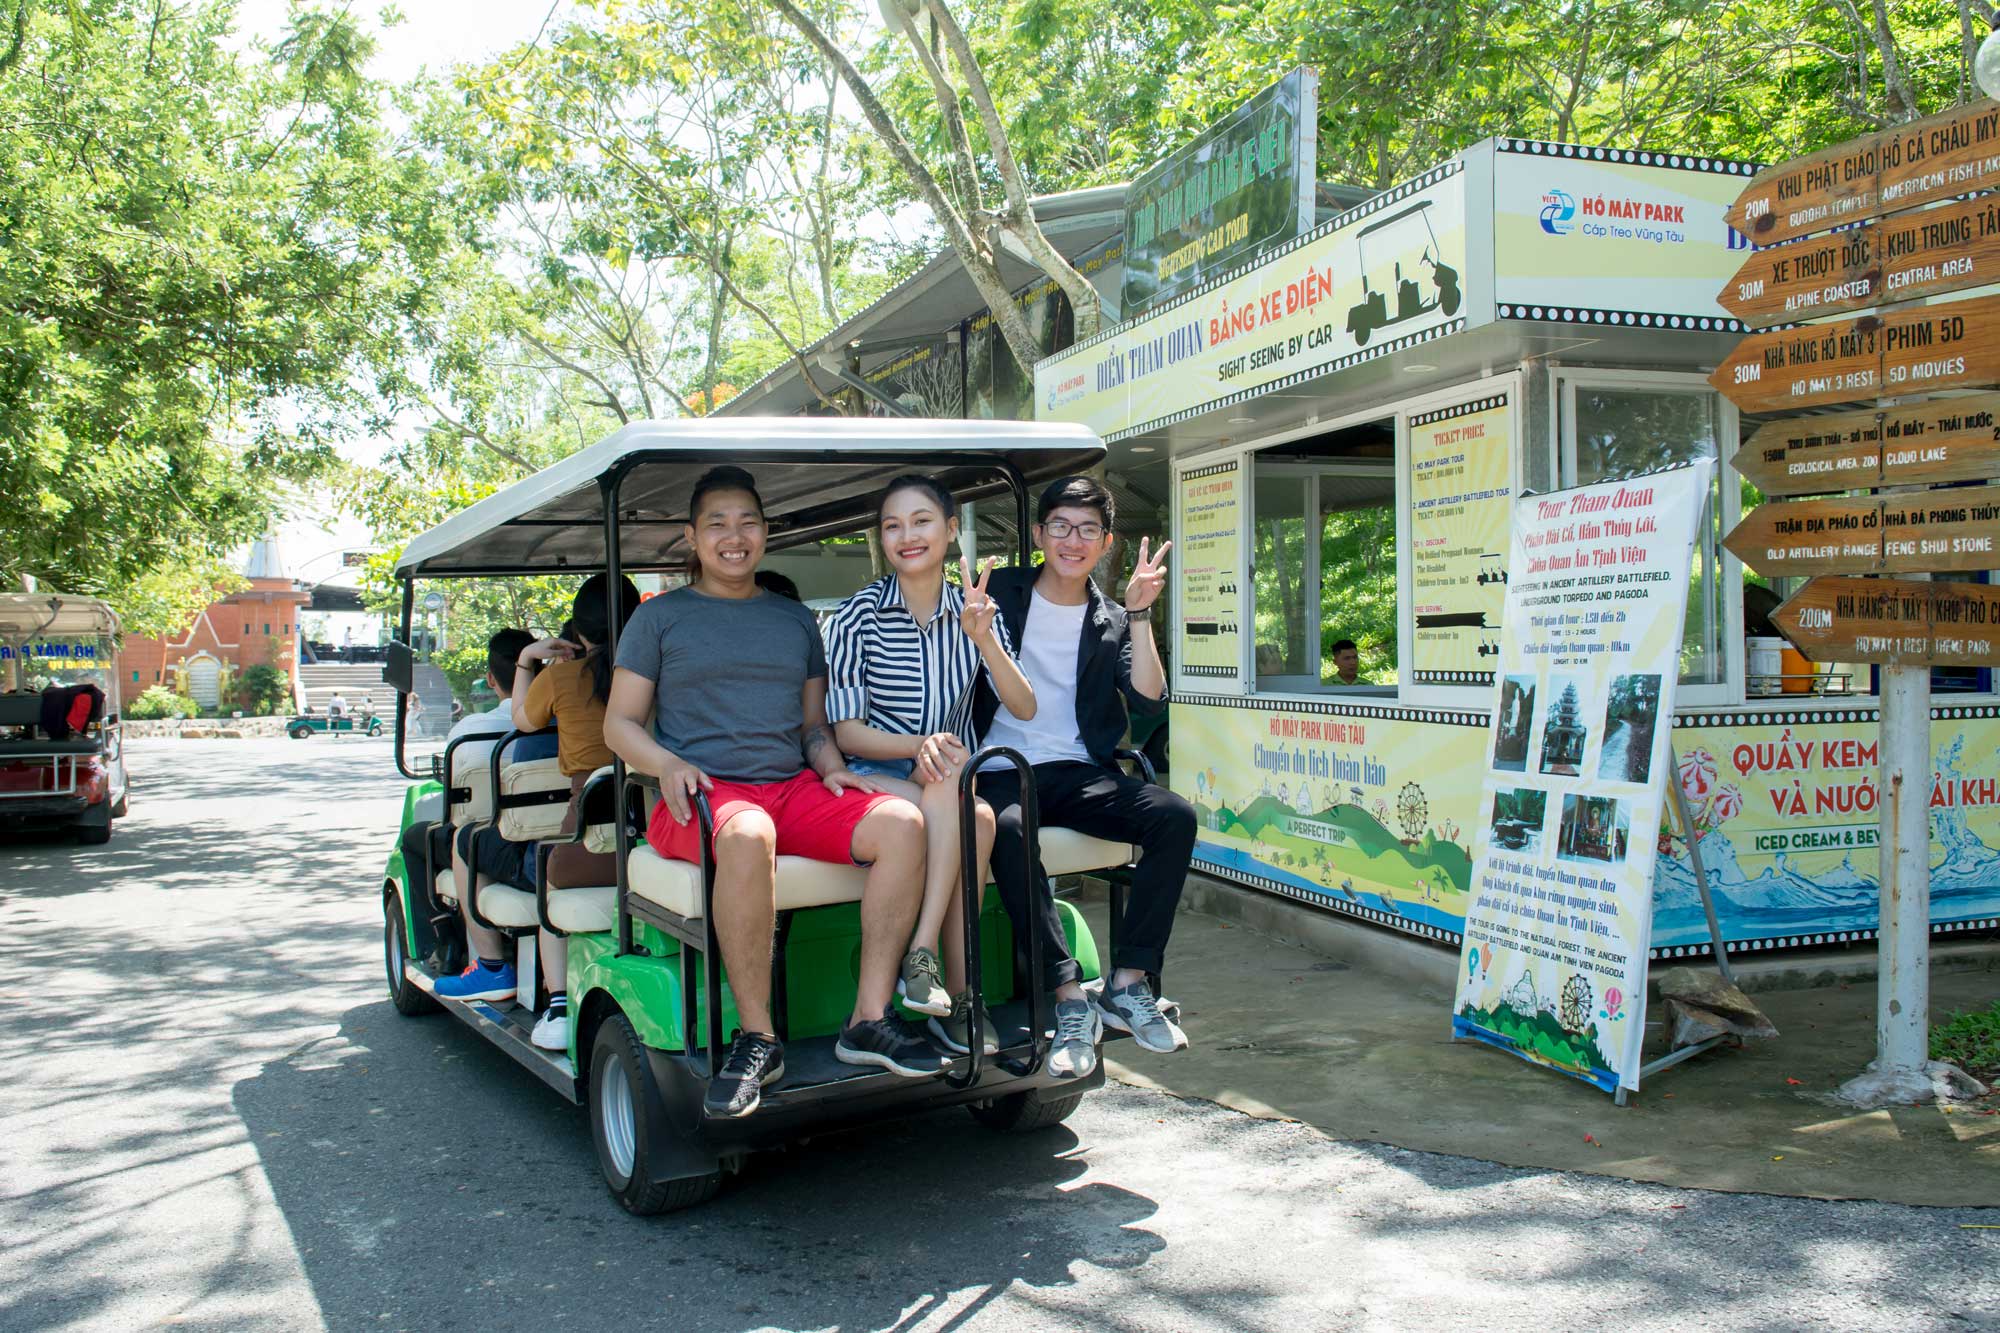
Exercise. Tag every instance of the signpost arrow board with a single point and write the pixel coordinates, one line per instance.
(1951, 439)
(1810, 537)
(1898, 258)
(1889, 534)
(1894, 622)
(1955, 153)
(1949, 346)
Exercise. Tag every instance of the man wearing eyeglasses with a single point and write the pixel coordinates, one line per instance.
(1088, 658)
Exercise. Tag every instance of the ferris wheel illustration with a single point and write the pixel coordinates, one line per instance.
(1412, 810)
(1576, 1000)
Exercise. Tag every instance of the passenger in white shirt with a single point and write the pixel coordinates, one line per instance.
(1088, 660)
(501, 652)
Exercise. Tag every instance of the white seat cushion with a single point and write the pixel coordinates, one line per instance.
(1067, 852)
(508, 907)
(584, 911)
(531, 823)
(447, 886)
(676, 885)
(477, 779)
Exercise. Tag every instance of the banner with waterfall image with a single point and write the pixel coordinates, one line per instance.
(1557, 928)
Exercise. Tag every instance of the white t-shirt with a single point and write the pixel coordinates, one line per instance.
(1049, 646)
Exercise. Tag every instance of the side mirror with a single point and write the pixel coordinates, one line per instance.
(399, 667)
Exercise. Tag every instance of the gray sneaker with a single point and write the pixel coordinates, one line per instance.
(1078, 1030)
(1133, 1009)
(953, 1031)
(922, 984)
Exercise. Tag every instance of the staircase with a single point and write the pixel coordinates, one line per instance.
(354, 681)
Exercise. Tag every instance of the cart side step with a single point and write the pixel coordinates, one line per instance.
(508, 1029)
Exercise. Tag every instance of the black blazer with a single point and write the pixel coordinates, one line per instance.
(1104, 664)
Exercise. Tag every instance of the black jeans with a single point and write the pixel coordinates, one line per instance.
(1103, 803)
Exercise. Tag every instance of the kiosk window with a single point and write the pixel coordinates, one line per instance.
(1618, 432)
(1323, 562)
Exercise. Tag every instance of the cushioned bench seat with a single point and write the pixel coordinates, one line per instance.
(676, 885)
(574, 911)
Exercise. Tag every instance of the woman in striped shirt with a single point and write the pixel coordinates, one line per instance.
(901, 678)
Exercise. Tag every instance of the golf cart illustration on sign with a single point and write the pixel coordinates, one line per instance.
(1411, 231)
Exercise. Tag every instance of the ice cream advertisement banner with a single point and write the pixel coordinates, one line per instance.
(1209, 541)
(1461, 493)
(1552, 965)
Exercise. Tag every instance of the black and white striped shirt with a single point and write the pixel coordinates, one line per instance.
(885, 669)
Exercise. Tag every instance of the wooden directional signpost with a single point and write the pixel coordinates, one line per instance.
(1948, 439)
(1913, 224)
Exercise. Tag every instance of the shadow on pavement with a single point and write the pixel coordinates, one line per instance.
(429, 1182)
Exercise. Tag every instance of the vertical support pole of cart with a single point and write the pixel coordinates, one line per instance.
(614, 577)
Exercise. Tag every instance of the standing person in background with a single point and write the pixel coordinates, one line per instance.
(905, 658)
(1087, 658)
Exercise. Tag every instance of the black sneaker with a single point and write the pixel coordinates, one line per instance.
(888, 1043)
(753, 1061)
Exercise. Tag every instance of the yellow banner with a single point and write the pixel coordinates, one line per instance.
(1211, 500)
(1461, 466)
(1390, 272)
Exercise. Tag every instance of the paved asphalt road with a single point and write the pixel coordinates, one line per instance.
(212, 1118)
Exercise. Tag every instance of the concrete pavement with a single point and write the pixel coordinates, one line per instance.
(213, 1119)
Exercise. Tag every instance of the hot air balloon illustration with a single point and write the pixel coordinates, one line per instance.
(1472, 963)
(1697, 774)
(1614, 1005)
(1728, 804)
(1485, 960)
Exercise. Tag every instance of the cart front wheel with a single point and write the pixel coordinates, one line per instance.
(622, 1100)
(409, 998)
(299, 733)
(1025, 1112)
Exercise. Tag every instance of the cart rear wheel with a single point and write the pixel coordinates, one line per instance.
(94, 835)
(409, 998)
(1025, 1112)
(299, 733)
(622, 1100)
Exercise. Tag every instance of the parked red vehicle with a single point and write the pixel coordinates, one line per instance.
(62, 764)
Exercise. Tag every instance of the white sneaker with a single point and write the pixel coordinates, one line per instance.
(1079, 1028)
(552, 1028)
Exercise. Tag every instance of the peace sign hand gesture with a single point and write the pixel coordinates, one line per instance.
(1149, 576)
(977, 617)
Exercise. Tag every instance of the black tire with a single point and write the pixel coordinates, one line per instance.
(410, 999)
(124, 804)
(94, 835)
(1025, 1112)
(375, 730)
(622, 1098)
(299, 733)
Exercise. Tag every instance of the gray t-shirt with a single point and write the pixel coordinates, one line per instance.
(728, 675)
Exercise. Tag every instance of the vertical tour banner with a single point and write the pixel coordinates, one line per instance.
(1211, 500)
(1461, 494)
(1553, 961)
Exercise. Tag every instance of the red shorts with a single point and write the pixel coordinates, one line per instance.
(811, 821)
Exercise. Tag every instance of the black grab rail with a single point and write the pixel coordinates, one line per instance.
(969, 885)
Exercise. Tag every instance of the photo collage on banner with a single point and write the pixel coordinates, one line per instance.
(1553, 962)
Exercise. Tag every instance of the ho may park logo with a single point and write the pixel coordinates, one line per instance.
(1558, 213)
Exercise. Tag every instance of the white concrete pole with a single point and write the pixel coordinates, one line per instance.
(1900, 1072)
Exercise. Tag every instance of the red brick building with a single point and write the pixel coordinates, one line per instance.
(257, 625)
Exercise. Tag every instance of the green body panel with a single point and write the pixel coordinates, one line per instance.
(822, 962)
(396, 871)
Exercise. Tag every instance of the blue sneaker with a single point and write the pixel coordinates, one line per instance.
(479, 982)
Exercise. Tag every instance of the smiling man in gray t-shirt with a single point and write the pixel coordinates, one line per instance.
(736, 678)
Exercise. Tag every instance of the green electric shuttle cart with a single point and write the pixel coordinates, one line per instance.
(650, 1004)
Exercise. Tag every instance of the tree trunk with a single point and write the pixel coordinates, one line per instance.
(1902, 103)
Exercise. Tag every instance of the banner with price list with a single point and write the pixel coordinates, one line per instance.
(1553, 962)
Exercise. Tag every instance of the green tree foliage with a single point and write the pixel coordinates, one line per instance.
(204, 256)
